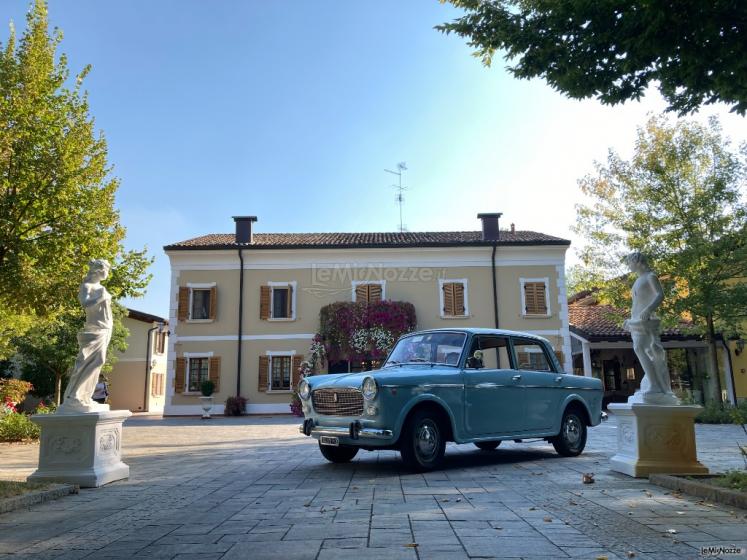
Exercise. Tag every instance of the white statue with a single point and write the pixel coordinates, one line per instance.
(656, 386)
(93, 341)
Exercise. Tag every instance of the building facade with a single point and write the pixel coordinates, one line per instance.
(137, 381)
(244, 307)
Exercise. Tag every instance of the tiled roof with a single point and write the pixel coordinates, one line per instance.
(145, 317)
(364, 240)
(598, 323)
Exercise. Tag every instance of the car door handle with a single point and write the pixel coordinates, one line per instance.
(559, 378)
(516, 378)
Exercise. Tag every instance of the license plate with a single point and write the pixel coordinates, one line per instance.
(330, 440)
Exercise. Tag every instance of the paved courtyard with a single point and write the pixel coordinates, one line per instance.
(252, 487)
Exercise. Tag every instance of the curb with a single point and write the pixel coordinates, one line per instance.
(31, 498)
(722, 496)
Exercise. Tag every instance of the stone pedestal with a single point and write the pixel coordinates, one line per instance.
(83, 448)
(655, 439)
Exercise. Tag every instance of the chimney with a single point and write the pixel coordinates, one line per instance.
(513, 227)
(244, 229)
(490, 231)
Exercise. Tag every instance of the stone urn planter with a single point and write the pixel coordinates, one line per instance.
(206, 400)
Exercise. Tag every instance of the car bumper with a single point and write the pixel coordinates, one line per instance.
(353, 431)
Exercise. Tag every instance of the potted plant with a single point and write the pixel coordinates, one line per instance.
(207, 388)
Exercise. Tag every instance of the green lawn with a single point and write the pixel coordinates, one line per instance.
(10, 488)
(733, 480)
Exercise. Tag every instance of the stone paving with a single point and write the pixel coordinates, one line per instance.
(252, 487)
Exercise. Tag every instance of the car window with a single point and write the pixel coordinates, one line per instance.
(435, 348)
(494, 351)
(530, 355)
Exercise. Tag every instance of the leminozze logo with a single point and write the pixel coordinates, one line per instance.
(334, 397)
(708, 551)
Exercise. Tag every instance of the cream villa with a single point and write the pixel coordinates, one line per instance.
(245, 306)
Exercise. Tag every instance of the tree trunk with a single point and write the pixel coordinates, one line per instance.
(714, 374)
(57, 388)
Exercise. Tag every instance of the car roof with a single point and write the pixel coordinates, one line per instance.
(482, 330)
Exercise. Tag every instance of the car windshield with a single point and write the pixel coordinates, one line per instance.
(430, 348)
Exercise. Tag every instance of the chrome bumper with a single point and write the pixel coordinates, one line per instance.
(344, 431)
(605, 416)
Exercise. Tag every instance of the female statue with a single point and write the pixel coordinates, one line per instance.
(656, 386)
(93, 341)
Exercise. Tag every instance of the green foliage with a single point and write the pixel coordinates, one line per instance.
(235, 406)
(16, 426)
(733, 480)
(14, 389)
(56, 189)
(677, 200)
(207, 388)
(722, 413)
(693, 50)
(48, 351)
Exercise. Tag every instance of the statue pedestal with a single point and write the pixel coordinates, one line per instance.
(655, 439)
(83, 448)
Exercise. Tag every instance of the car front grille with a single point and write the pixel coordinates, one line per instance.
(338, 402)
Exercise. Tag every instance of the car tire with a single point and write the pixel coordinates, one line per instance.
(571, 440)
(341, 454)
(487, 445)
(423, 444)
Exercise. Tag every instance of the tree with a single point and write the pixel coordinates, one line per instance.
(48, 351)
(56, 189)
(678, 199)
(694, 50)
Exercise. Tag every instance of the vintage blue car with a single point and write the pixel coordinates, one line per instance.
(477, 386)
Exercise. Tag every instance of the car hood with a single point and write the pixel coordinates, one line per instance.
(355, 380)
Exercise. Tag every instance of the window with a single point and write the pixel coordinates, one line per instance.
(534, 296)
(530, 355)
(199, 370)
(157, 385)
(197, 302)
(280, 373)
(494, 351)
(277, 301)
(453, 297)
(368, 292)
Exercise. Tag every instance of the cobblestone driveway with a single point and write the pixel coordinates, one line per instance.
(254, 488)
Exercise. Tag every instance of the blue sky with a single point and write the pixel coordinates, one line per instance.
(291, 111)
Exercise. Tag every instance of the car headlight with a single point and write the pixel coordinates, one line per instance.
(369, 388)
(304, 390)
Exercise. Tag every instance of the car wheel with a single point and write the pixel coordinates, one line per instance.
(423, 445)
(487, 445)
(572, 437)
(341, 454)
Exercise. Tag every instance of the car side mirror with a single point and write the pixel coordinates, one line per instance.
(475, 360)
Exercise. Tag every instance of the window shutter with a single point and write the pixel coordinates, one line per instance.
(361, 293)
(458, 288)
(213, 303)
(374, 293)
(264, 367)
(534, 298)
(289, 303)
(449, 299)
(214, 372)
(264, 302)
(181, 368)
(296, 371)
(182, 313)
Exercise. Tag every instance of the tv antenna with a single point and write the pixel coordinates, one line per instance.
(400, 196)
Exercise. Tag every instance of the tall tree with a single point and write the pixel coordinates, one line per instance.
(694, 50)
(680, 200)
(56, 189)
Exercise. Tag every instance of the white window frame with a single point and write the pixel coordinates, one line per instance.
(188, 356)
(292, 285)
(198, 286)
(279, 353)
(465, 285)
(523, 282)
(356, 283)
